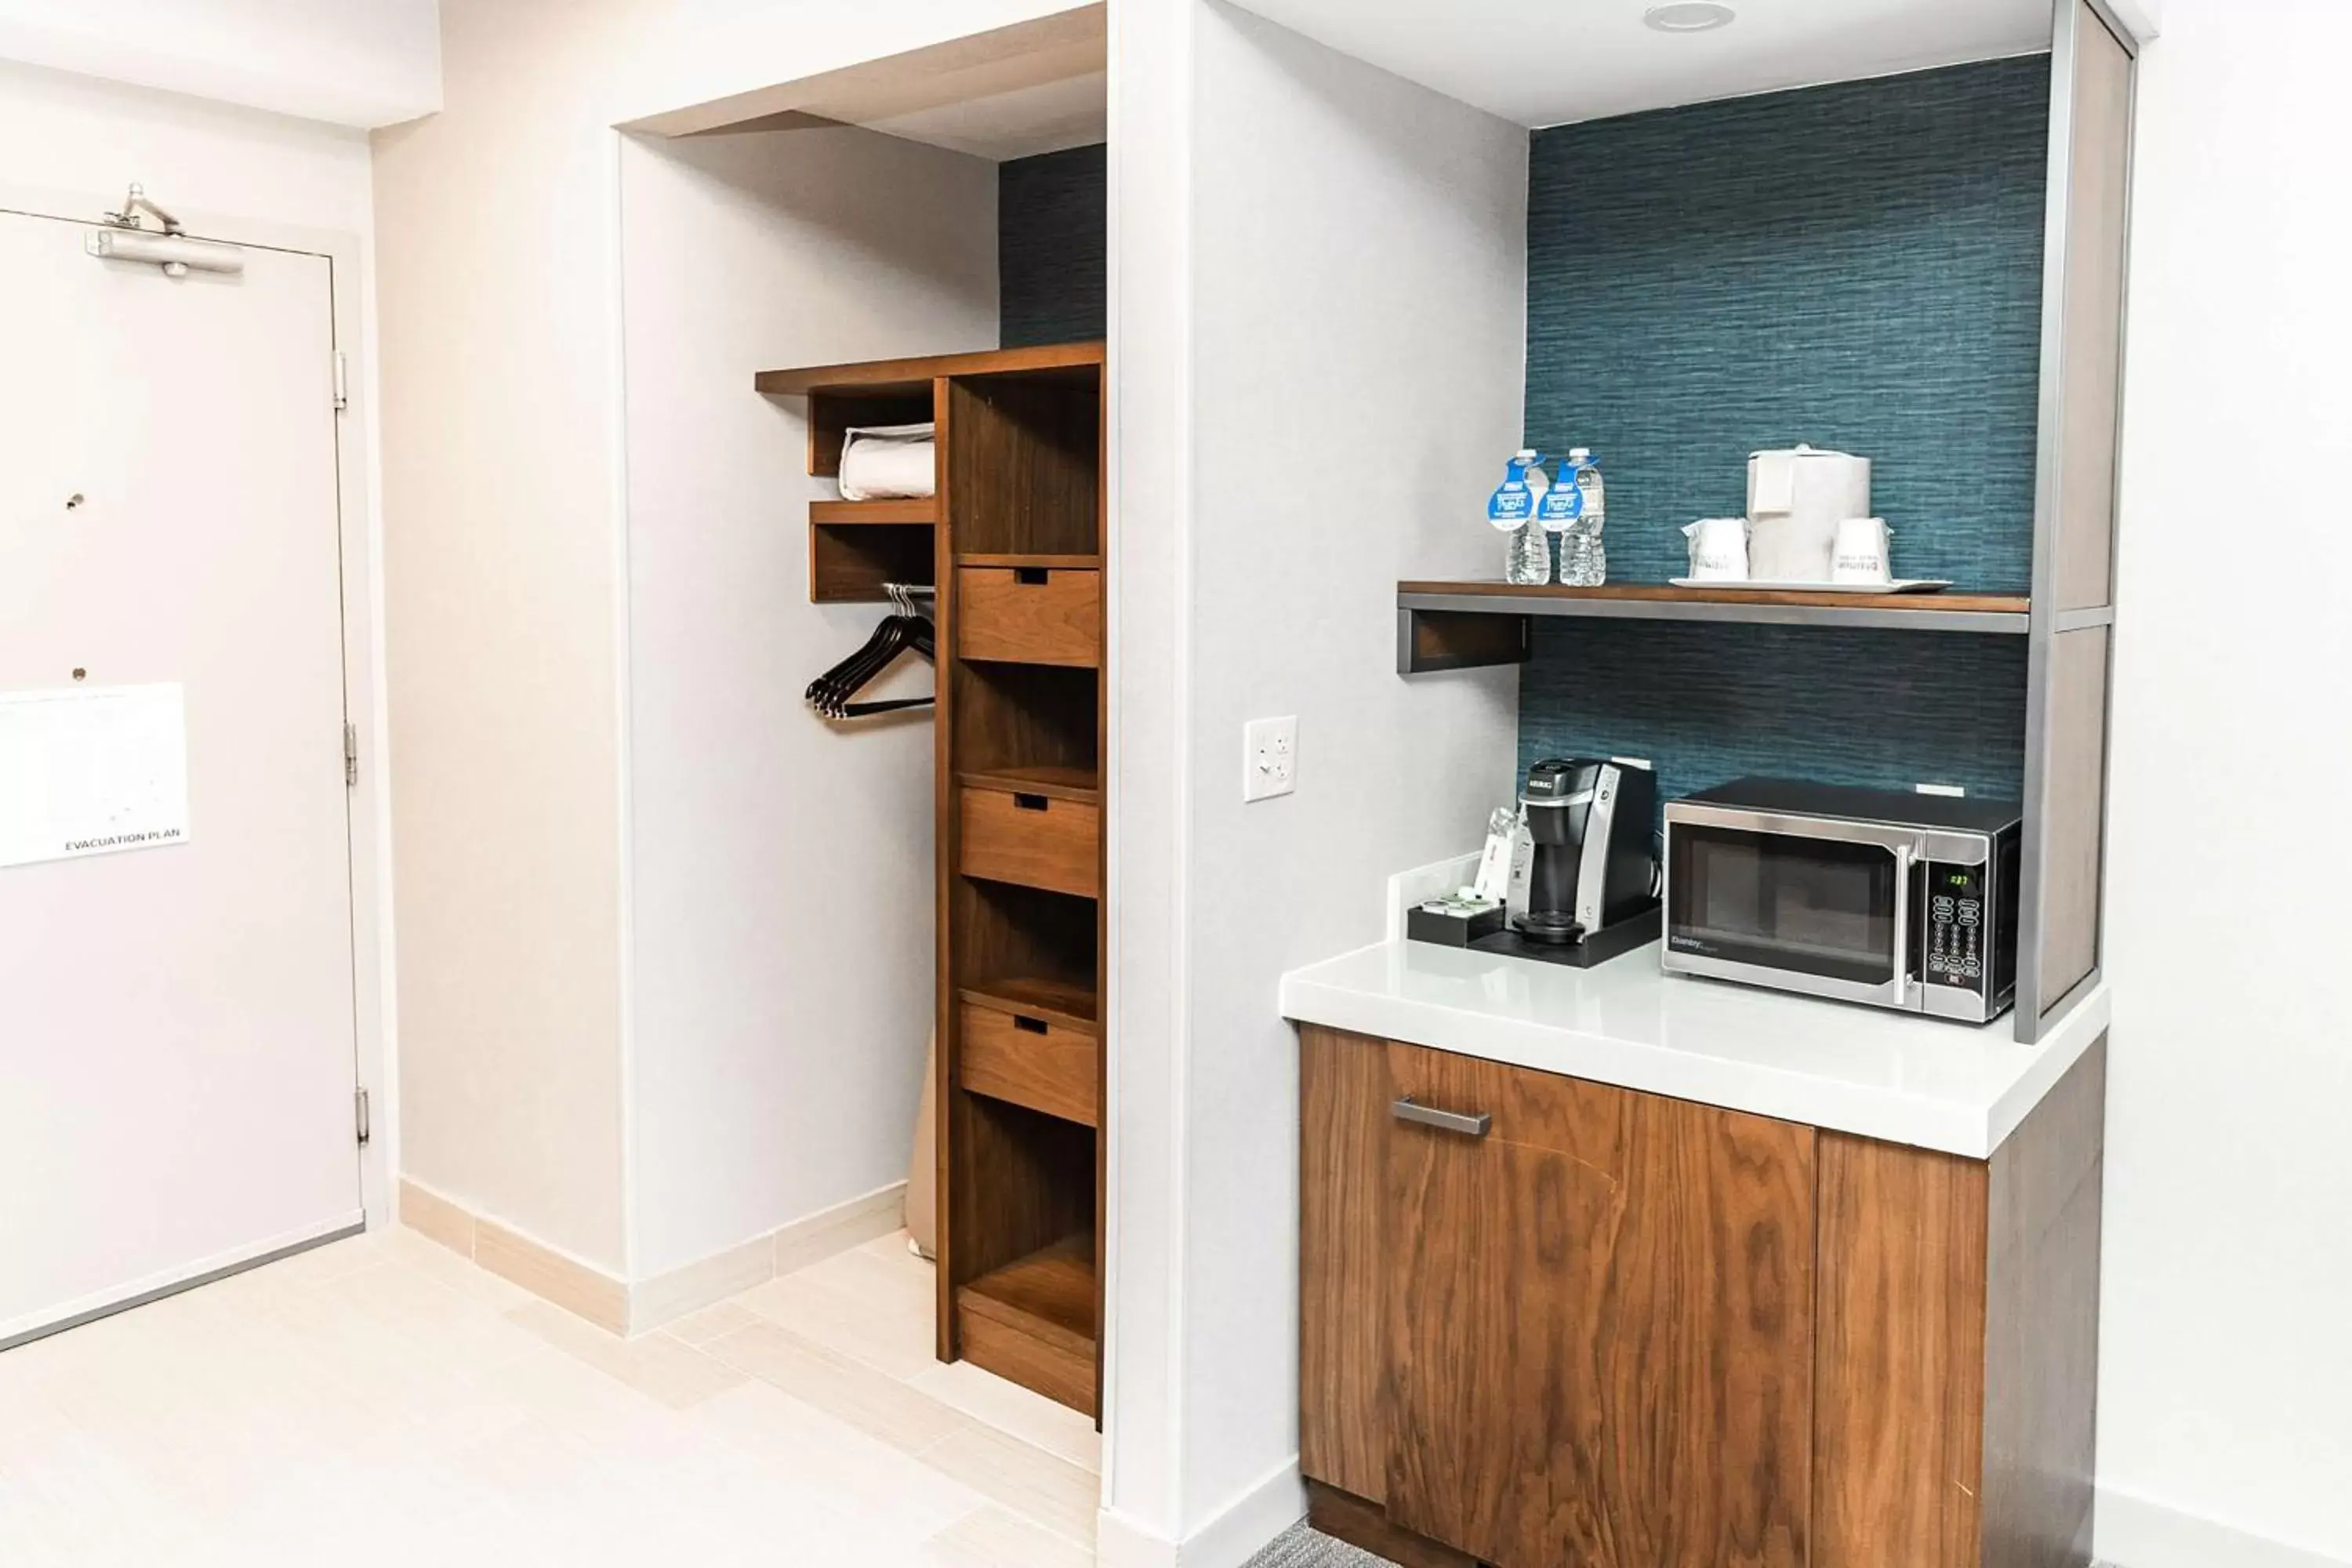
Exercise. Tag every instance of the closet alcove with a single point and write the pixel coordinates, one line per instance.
(938, 220)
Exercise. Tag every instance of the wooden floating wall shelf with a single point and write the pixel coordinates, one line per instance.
(1462, 625)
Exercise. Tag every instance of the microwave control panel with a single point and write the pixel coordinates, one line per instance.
(1957, 950)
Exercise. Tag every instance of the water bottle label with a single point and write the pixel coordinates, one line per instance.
(1562, 504)
(1512, 503)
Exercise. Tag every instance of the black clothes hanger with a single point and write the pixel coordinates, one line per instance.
(906, 630)
(831, 690)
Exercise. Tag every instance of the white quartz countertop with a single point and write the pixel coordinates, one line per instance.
(1897, 1076)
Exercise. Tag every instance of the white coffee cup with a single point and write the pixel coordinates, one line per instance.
(1719, 549)
(1859, 556)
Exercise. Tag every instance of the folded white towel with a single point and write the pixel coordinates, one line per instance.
(886, 461)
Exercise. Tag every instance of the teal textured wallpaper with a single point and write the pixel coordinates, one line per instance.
(1856, 266)
(1706, 704)
(1051, 231)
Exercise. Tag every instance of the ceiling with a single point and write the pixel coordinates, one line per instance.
(1069, 112)
(1037, 86)
(1545, 62)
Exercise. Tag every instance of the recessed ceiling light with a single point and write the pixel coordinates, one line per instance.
(1689, 16)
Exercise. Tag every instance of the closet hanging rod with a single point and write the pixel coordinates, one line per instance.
(902, 596)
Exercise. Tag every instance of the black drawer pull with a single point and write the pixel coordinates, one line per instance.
(1028, 803)
(1029, 1026)
(1030, 576)
(1406, 1110)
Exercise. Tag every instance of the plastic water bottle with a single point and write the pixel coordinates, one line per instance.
(1558, 513)
(1527, 555)
(1583, 560)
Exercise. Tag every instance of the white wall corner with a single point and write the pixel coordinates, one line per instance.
(1235, 1535)
(2134, 1531)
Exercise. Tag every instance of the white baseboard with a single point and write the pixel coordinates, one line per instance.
(1249, 1521)
(730, 1270)
(1234, 1536)
(547, 1271)
(1124, 1543)
(622, 1308)
(2134, 1532)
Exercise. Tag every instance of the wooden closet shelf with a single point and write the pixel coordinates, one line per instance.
(1057, 783)
(877, 377)
(1020, 800)
(1059, 1001)
(1034, 1321)
(924, 509)
(1048, 1295)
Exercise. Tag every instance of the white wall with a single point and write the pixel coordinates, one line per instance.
(2226, 1388)
(782, 868)
(84, 138)
(1357, 303)
(499, 299)
(351, 62)
(508, 588)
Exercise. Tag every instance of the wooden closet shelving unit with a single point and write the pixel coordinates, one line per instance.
(1014, 544)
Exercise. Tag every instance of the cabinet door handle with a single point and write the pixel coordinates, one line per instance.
(1407, 1109)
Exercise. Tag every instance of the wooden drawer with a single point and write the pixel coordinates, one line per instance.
(1029, 1059)
(1035, 840)
(1030, 614)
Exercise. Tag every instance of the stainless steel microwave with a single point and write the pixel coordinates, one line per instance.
(1863, 895)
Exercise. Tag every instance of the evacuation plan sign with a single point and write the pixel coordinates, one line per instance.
(90, 772)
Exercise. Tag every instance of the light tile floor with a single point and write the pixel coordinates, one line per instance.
(381, 1400)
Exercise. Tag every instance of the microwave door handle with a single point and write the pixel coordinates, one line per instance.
(1898, 989)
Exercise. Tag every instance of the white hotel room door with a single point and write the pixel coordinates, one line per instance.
(177, 1038)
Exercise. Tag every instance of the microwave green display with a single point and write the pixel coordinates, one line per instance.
(1957, 879)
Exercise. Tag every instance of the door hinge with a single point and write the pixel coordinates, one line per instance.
(360, 1112)
(351, 755)
(342, 382)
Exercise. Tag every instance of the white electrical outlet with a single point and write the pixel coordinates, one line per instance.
(1269, 757)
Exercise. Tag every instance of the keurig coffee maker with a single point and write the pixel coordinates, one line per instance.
(1591, 884)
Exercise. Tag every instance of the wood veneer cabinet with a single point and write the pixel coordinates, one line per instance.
(1013, 542)
(1618, 1331)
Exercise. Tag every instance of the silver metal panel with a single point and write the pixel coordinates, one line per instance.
(1600, 827)
(1979, 621)
(2115, 25)
(2064, 23)
(2091, 394)
(2074, 999)
(2074, 809)
(2047, 622)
